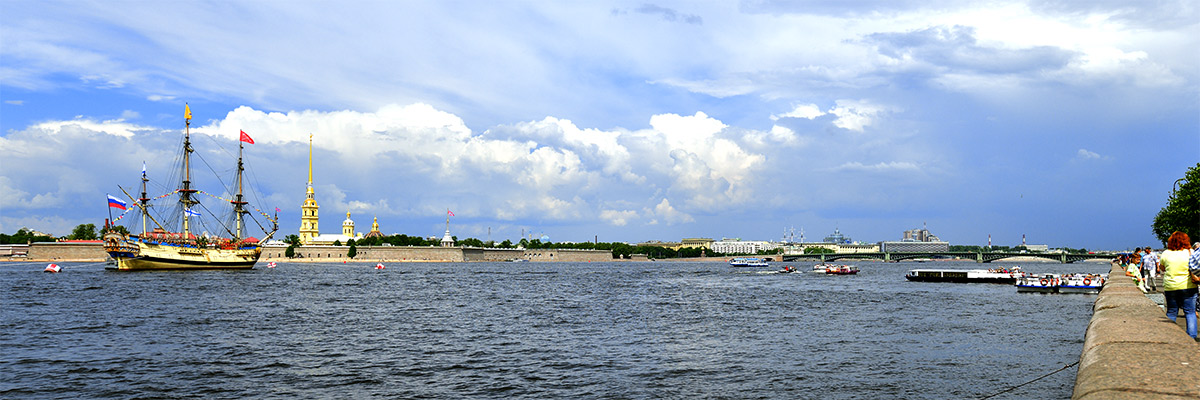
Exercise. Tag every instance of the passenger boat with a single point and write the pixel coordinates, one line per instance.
(163, 248)
(747, 262)
(994, 275)
(1081, 283)
(822, 267)
(1047, 283)
(842, 270)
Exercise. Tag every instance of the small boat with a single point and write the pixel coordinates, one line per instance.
(841, 270)
(994, 275)
(789, 270)
(1081, 283)
(1047, 283)
(747, 262)
(53, 268)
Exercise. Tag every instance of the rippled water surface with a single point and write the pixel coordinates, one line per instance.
(531, 330)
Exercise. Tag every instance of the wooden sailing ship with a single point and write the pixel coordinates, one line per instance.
(161, 248)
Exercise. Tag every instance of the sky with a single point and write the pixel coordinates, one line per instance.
(1066, 123)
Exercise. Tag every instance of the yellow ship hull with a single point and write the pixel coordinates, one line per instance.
(139, 256)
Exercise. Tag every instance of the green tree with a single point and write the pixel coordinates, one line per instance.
(353, 249)
(337, 242)
(817, 250)
(290, 252)
(84, 232)
(292, 240)
(1182, 212)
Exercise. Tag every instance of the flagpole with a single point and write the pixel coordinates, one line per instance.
(109, 207)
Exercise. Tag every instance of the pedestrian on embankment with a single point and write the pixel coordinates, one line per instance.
(1178, 288)
(1150, 269)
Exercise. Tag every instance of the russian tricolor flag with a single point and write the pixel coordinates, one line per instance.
(115, 202)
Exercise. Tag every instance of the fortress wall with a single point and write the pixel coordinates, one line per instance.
(56, 251)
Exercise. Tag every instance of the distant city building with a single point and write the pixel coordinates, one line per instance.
(308, 212)
(913, 247)
(799, 248)
(919, 235)
(1037, 247)
(837, 237)
(738, 246)
(696, 243)
(655, 243)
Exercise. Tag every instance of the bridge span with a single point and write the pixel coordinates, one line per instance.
(978, 257)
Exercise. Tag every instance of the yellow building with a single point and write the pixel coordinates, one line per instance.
(308, 212)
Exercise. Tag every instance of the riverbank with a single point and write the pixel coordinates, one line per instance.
(1132, 351)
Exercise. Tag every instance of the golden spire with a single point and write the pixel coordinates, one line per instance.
(310, 159)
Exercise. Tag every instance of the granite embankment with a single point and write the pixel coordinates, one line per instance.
(1132, 351)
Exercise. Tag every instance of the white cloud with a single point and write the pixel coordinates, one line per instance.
(15, 102)
(1087, 155)
(618, 217)
(668, 213)
(855, 115)
(807, 111)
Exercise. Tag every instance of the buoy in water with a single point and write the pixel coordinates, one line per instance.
(271, 264)
(53, 268)
(379, 266)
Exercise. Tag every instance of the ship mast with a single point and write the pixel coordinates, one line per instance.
(144, 200)
(185, 193)
(238, 204)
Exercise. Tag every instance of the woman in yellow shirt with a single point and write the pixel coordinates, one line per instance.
(1178, 287)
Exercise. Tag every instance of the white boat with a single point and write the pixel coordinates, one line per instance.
(1047, 283)
(1081, 283)
(994, 275)
(747, 262)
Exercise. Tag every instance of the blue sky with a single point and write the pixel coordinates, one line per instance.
(1066, 122)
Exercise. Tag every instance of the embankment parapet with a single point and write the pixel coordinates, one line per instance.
(1132, 351)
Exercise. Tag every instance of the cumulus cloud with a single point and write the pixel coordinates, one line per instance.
(618, 217)
(415, 160)
(665, 211)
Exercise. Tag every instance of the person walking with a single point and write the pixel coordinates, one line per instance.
(1150, 269)
(1178, 288)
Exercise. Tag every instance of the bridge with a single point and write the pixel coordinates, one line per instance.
(978, 257)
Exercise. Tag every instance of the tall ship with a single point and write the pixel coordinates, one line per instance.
(178, 231)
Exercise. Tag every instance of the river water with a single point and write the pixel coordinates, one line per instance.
(532, 330)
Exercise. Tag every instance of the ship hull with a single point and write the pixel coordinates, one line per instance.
(151, 256)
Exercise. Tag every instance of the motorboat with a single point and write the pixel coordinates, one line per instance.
(1047, 283)
(994, 275)
(841, 270)
(747, 262)
(1081, 283)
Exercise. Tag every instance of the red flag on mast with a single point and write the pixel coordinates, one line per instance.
(246, 138)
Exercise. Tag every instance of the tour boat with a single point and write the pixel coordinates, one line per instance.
(747, 262)
(1047, 283)
(163, 248)
(1081, 283)
(841, 270)
(995, 275)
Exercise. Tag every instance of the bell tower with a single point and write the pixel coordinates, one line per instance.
(308, 214)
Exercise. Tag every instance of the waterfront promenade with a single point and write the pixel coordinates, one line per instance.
(1132, 351)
